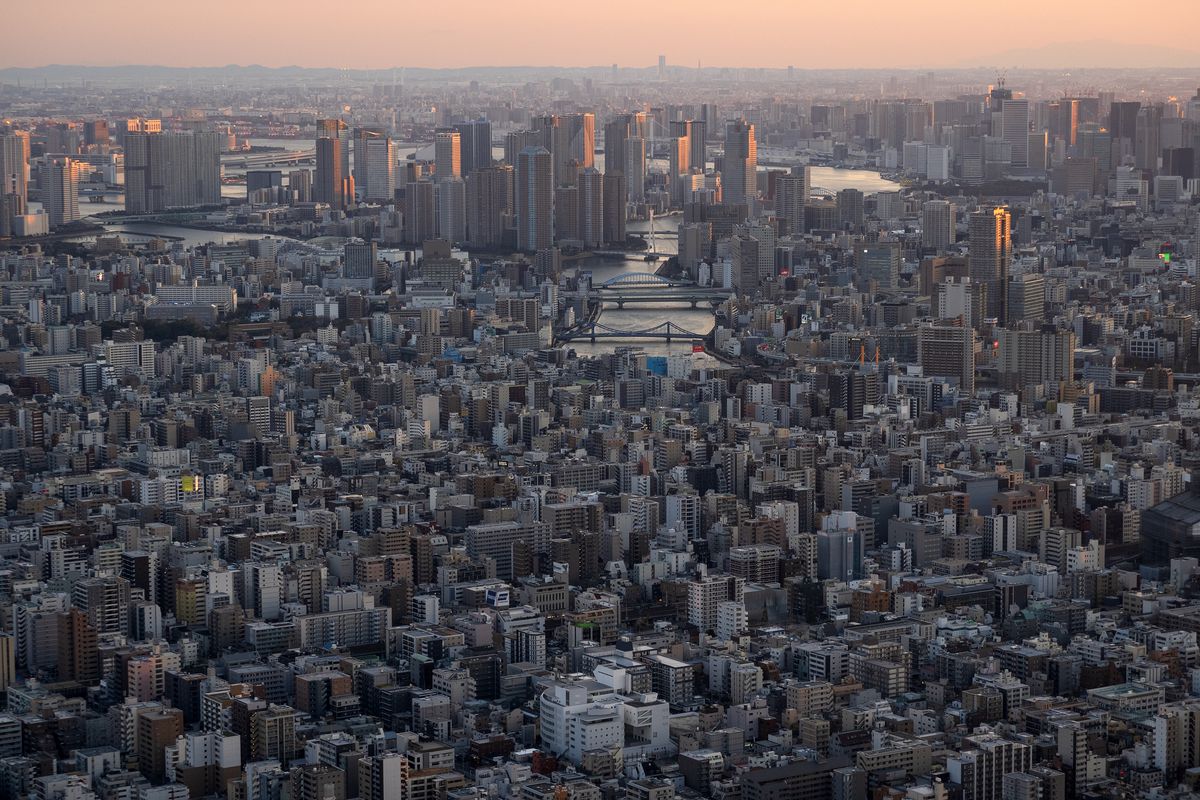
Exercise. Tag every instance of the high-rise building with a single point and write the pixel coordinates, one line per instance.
(420, 212)
(156, 730)
(171, 170)
(1176, 738)
(739, 173)
(850, 209)
(273, 733)
(948, 351)
(447, 158)
(990, 253)
(375, 167)
(879, 262)
(590, 199)
(475, 138)
(937, 225)
(571, 142)
(1038, 356)
(535, 199)
(617, 132)
(614, 208)
(791, 196)
(1122, 123)
(78, 659)
(489, 205)
(14, 177)
(337, 130)
(358, 260)
(635, 167)
(333, 185)
(677, 167)
(105, 600)
(980, 770)
(383, 776)
(1014, 123)
(840, 546)
(62, 192)
(452, 210)
(516, 141)
(1027, 298)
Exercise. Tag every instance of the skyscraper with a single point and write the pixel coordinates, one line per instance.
(535, 199)
(635, 167)
(617, 132)
(171, 170)
(14, 176)
(1014, 123)
(420, 212)
(338, 130)
(452, 210)
(475, 139)
(375, 168)
(571, 141)
(694, 131)
(591, 207)
(614, 208)
(489, 205)
(791, 195)
(62, 196)
(447, 148)
(332, 180)
(740, 171)
(678, 168)
(990, 243)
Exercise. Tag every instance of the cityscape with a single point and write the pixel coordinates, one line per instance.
(695, 426)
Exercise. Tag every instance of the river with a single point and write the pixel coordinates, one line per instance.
(634, 317)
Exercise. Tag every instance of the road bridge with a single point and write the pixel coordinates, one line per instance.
(593, 330)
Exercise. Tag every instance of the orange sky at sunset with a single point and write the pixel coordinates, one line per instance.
(769, 33)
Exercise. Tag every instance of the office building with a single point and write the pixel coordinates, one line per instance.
(375, 168)
(332, 185)
(1015, 129)
(739, 172)
(879, 262)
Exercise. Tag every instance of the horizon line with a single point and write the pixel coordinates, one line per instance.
(649, 67)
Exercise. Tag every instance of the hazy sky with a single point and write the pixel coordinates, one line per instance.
(769, 33)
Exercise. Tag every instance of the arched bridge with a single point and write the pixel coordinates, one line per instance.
(594, 330)
(629, 280)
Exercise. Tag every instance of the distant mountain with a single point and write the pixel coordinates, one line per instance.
(1097, 54)
(1072, 56)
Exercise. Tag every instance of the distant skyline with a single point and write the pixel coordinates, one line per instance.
(473, 33)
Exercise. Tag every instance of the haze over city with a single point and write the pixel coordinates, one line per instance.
(769, 33)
